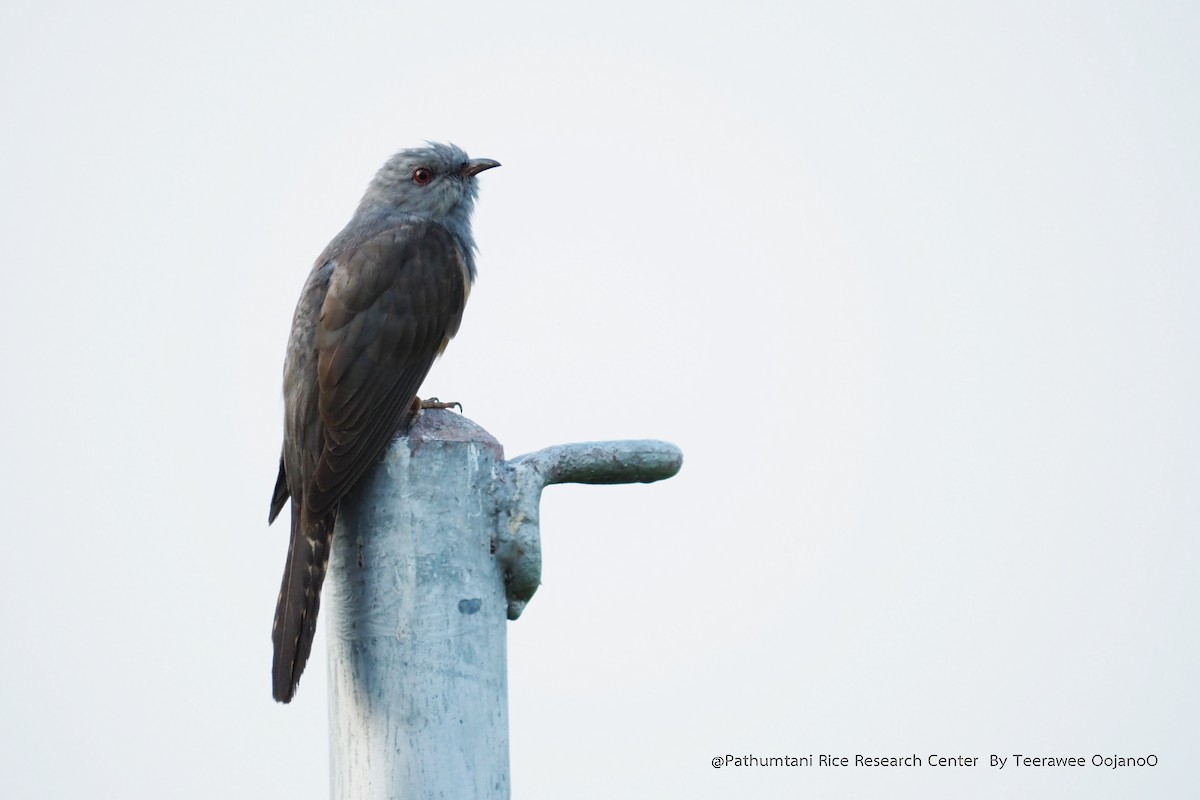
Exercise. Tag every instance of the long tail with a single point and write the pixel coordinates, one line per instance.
(299, 598)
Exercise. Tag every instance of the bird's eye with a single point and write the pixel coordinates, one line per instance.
(422, 176)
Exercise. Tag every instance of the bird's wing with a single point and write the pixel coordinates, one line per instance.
(281, 494)
(393, 302)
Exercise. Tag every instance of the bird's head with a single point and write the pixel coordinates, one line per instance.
(435, 182)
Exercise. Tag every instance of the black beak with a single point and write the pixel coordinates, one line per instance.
(477, 165)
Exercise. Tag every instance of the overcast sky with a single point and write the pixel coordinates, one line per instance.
(914, 286)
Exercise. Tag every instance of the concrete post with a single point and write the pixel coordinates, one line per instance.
(433, 551)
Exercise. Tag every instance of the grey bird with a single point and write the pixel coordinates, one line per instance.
(379, 306)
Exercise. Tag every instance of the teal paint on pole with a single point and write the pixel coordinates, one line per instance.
(433, 551)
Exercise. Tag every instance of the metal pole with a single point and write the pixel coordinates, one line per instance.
(433, 552)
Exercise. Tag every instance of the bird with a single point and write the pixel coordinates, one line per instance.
(379, 306)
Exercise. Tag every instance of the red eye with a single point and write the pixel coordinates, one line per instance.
(422, 176)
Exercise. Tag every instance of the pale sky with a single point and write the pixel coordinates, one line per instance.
(914, 286)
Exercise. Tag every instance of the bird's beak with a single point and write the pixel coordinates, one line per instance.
(478, 165)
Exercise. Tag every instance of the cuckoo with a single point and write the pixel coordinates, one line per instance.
(379, 306)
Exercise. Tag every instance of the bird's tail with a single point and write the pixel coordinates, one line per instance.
(299, 598)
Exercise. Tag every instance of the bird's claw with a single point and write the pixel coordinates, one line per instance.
(433, 402)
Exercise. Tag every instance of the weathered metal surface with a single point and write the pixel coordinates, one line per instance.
(433, 552)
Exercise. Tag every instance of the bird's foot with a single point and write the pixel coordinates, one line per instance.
(433, 402)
